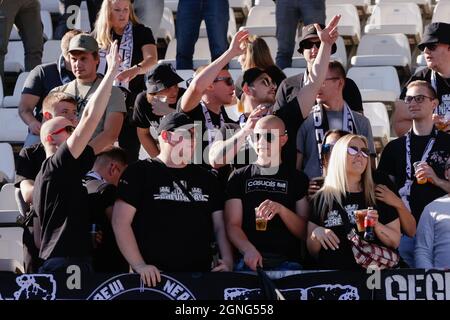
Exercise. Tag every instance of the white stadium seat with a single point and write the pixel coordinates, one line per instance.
(240, 4)
(82, 19)
(201, 57)
(378, 116)
(349, 26)
(261, 21)
(1, 92)
(12, 128)
(268, 3)
(289, 72)
(425, 5)
(50, 5)
(383, 50)
(47, 23)
(186, 75)
(376, 83)
(396, 18)
(171, 4)
(13, 101)
(11, 247)
(7, 167)
(441, 12)
(167, 26)
(7, 197)
(15, 58)
(52, 51)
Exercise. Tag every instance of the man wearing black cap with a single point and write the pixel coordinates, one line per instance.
(436, 49)
(304, 88)
(169, 210)
(232, 145)
(160, 99)
(84, 58)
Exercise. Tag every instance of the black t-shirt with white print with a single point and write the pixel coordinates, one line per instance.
(393, 162)
(61, 203)
(252, 187)
(342, 258)
(443, 88)
(29, 163)
(143, 116)
(172, 233)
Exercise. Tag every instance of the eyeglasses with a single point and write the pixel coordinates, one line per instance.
(419, 98)
(267, 136)
(310, 44)
(353, 151)
(327, 148)
(228, 80)
(268, 83)
(429, 46)
(68, 129)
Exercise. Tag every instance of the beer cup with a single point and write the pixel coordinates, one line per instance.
(416, 166)
(261, 223)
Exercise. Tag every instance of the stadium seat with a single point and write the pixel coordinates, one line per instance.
(396, 18)
(11, 247)
(383, 50)
(201, 57)
(420, 60)
(171, 4)
(1, 92)
(82, 19)
(13, 101)
(376, 83)
(14, 35)
(7, 167)
(235, 73)
(47, 23)
(52, 51)
(167, 26)
(349, 26)
(362, 6)
(50, 6)
(244, 5)
(425, 5)
(186, 75)
(268, 3)
(261, 21)
(15, 58)
(378, 116)
(12, 128)
(143, 154)
(441, 12)
(8, 198)
(289, 72)
(231, 27)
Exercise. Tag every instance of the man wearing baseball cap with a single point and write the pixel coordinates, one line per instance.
(170, 210)
(435, 46)
(159, 99)
(83, 54)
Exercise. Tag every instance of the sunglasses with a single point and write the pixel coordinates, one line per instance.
(327, 147)
(68, 129)
(267, 136)
(268, 83)
(419, 98)
(353, 151)
(228, 80)
(429, 46)
(310, 44)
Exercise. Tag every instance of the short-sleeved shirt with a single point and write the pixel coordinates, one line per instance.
(29, 163)
(83, 92)
(252, 187)
(442, 86)
(61, 203)
(172, 233)
(393, 162)
(41, 80)
(342, 258)
(143, 116)
(307, 145)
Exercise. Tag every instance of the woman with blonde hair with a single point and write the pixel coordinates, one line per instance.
(348, 187)
(117, 21)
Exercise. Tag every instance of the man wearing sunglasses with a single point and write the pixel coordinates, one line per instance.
(211, 88)
(270, 190)
(170, 210)
(435, 46)
(59, 197)
(424, 143)
(232, 146)
(432, 250)
(331, 112)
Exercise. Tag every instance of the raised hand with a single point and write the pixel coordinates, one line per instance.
(269, 209)
(254, 116)
(235, 46)
(330, 33)
(113, 58)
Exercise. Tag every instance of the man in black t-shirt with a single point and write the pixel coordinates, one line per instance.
(270, 191)
(41, 80)
(436, 50)
(101, 183)
(211, 88)
(150, 106)
(297, 95)
(59, 198)
(169, 211)
(422, 143)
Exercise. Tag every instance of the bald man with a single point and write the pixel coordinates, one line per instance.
(273, 192)
(59, 198)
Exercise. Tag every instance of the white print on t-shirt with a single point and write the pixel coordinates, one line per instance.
(444, 107)
(176, 194)
(334, 218)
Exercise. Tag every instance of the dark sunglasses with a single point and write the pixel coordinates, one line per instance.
(68, 129)
(228, 80)
(353, 151)
(267, 136)
(327, 147)
(429, 46)
(419, 98)
(310, 44)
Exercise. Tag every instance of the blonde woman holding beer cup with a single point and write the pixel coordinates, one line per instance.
(348, 187)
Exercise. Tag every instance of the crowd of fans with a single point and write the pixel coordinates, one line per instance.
(274, 189)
